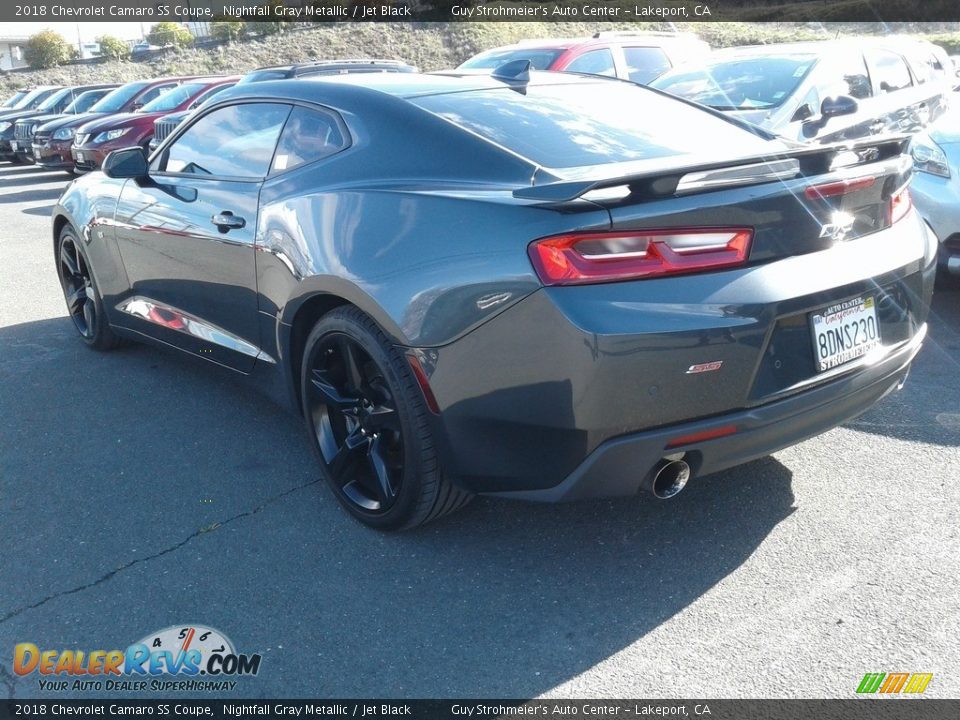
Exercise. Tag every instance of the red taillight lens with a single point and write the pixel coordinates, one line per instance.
(581, 258)
(900, 204)
(841, 187)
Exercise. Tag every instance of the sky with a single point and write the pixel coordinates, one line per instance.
(88, 31)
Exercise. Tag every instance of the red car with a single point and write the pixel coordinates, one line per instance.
(52, 140)
(97, 139)
(636, 56)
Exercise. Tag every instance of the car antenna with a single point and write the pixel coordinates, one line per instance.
(517, 71)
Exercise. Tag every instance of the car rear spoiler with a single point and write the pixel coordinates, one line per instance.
(749, 170)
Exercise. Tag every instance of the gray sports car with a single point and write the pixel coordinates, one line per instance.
(541, 286)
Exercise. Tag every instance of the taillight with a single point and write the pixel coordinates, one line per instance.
(840, 187)
(900, 204)
(580, 258)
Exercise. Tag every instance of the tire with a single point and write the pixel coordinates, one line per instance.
(84, 304)
(368, 424)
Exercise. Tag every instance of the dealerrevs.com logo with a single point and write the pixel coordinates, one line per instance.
(180, 657)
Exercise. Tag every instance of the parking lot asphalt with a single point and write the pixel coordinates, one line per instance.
(140, 490)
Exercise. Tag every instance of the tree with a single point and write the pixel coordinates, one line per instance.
(229, 30)
(112, 47)
(47, 49)
(169, 33)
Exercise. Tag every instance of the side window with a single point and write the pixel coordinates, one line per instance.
(154, 92)
(235, 141)
(889, 70)
(645, 64)
(308, 135)
(850, 77)
(595, 62)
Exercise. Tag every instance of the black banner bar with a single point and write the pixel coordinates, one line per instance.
(479, 10)
(858, 709)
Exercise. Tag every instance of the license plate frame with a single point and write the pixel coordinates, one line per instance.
(844, 332)
(79, 156)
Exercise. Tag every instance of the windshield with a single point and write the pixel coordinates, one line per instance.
(116, 100)
(54, 100)
(34, 98)
(84, 101)
(542, 58)
(172, 99)
(744, 83)
(562, 126)
(14, 99)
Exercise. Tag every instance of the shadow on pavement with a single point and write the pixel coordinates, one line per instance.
(927, 409)
(128, 454)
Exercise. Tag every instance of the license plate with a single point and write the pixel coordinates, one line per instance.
(844, 332)
(13, 145)
(79, 157)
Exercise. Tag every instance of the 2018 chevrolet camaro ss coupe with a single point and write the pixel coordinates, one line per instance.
(541, 286)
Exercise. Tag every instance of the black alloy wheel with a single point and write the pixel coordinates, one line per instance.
(369, 425)
(80, 293)
(356, 424)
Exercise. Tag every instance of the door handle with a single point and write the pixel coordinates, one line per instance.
(227, 221)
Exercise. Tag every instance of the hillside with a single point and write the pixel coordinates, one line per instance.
(430, 46)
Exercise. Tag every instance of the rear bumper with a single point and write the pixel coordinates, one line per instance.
(558, 395)
(619, 466)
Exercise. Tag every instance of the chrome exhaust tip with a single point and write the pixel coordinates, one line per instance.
(668, 478)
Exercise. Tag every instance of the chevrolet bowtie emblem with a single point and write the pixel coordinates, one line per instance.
(838, 229)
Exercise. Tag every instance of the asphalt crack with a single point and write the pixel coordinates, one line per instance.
(173, 548)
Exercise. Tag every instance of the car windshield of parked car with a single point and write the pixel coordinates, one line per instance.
(32, 99)
(54, 100)
(542, 58)
(84, 101)
(172, 99)
(743, 83)
(562, 126)
(13, 100)
(115, 100)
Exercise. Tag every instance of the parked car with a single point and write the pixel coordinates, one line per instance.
(96, 139)
(936, 185)
(818, 91)
(637, 56)
(54, 103)
(542, 286)
(29, 101)
(164, 126)
(52, 140)
(84, 97)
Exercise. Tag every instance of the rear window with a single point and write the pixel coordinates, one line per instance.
(542, 58)
(562, 126)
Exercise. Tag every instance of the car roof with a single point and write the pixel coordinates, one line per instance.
(612, 37)
(410, 85)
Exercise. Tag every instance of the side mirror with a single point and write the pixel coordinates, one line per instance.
(126, 163)
(838, 105)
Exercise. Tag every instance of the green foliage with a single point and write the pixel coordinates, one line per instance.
(228, 30)
(169, 33)
(47, 49)
(113, 48)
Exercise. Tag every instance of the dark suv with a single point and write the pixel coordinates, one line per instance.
(636, 56)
